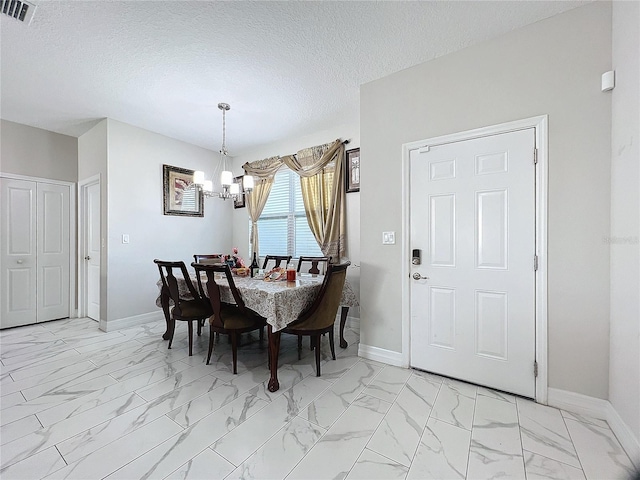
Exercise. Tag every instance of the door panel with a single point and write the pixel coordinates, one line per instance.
(472, 211)
(18, 256)
(53, 251)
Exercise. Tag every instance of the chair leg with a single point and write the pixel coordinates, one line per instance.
(211, 338)
(299, 347)
(234, 351)
(316, 341)
(200, 322)
(333, 349)
(190, 337)
(172, 332)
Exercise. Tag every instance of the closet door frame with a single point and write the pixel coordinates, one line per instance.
(73, 270)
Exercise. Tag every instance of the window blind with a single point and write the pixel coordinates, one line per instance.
(283, 225)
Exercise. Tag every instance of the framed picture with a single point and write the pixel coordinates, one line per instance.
(239, 202)
(352, 170)
(180, 195)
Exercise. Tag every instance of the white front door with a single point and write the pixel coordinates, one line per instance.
(92, 249)
(18, 258)
(472, 215)
(53, 251)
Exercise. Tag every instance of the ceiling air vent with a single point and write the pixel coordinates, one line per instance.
(18, 9)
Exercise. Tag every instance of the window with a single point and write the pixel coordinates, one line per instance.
(283, 227)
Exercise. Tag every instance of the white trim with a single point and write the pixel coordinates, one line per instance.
(380, 355)
(127, 322)
(578, 403)
(625, 436)
(82, 267)
(540, 126)
(602, 409)
(542, 215)
(27, 178)
(73, 311)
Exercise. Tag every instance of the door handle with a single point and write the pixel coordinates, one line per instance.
(417, 276)
(19, 262)
(87, 257)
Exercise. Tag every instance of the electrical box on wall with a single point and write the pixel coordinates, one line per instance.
(388, 238)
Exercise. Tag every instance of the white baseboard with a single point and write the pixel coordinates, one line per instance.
(578, 403)
(602, 409)
(625, 436)
(380, 355)
(127, 322)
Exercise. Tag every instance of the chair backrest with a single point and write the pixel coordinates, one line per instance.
(170, 283)
(314, 263)
(212, 289)
(278, 259)
(213, 258)
(323, 310)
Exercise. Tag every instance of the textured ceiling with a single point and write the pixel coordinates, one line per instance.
(286, 68)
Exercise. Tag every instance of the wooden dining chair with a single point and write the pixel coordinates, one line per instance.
(314, 263)
(276, 258)
(226, 318)
(194, 309)
(212, 258)
(321, 315)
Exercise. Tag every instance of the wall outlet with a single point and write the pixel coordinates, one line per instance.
(388, 238)
(125, 238)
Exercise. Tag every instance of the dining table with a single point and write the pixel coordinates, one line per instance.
(279, 302)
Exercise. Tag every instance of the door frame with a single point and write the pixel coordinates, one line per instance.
(73, 311)
(540, 125)
(82, 240)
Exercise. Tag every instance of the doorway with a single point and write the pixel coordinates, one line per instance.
(89, 252)
(475, 221)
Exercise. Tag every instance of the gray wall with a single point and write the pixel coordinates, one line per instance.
(35, 152)
(624, 372)
(135, 159)
(551, 67)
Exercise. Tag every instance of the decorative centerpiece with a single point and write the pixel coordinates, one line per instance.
(236, 263)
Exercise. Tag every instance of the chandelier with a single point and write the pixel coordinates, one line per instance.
(230, 189)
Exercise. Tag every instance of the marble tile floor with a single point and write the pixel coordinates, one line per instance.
(80, 403)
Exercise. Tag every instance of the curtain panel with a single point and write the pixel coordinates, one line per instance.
(257, 198)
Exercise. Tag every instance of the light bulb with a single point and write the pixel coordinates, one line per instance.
(247, 182)
(208, 186)
(234, 189)
(226, 178)
(198, 177)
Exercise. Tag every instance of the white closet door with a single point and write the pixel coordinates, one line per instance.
(53, 252)
(18, 257)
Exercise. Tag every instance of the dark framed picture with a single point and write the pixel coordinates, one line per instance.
(352, 170)
(180, 196)
(239, 201)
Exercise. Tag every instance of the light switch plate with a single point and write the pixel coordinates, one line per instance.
(388, 238)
